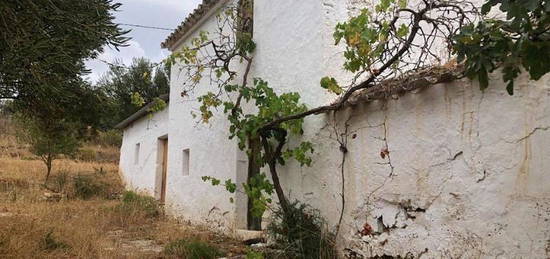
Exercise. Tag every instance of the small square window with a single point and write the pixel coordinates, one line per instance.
(185, 163)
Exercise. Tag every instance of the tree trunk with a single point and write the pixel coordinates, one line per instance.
(253, 223)
(272, 157)
(48, 162)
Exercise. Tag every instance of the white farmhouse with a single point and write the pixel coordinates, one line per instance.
(467, 175)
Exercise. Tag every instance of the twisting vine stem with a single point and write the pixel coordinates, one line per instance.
(342, 139)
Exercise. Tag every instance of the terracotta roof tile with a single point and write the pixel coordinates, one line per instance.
(187, 25)
(406, 83)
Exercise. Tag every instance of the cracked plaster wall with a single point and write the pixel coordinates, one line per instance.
(468, 176)
(465, 176)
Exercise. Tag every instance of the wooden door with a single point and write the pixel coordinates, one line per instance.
(164, 170)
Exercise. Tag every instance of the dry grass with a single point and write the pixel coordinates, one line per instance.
(10, 147)
(100, 227)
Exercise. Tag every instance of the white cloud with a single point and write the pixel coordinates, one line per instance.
(180, 5)
(125, 55)
(146, 42)
(162, 54)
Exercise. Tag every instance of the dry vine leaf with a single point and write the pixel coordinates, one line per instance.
(384, 152)
(367, 230)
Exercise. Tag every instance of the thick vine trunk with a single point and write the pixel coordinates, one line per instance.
(272, 157)
(277, 185)
(253, 222)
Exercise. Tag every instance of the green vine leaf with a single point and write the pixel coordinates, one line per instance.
(137, 100)
(300, 153)
(520, 39)
(383, 6)
(403, 31)
(158, 105)
(402, 3)
(331, 85)
(230, 186)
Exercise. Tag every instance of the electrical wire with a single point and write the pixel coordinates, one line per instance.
(146, 27)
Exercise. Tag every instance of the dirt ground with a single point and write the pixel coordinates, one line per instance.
(79, 213)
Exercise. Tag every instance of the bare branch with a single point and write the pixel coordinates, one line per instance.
(402, 48)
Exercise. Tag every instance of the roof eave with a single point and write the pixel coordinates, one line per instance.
(178, 37)
(140, 113)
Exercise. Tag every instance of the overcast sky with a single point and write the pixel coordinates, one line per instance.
(145, 42)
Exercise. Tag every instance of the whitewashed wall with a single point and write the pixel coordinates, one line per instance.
(211, 154)
(468, 175)
(142, 176)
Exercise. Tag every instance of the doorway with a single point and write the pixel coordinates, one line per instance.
(162, 169)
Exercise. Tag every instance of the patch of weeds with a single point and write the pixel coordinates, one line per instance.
(3, 242)
(86, 187)
(192, 249)
(133, 203)
(86, 154)
(60, 181)
(302, 233)
(100, 171)
(251, 254)
(8, 185)
(50, 243)
(110, 138)
(13, 196)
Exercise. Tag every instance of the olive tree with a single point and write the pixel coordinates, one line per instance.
(48, 139)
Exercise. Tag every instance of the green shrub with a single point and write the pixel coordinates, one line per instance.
(133, 203)
(86, 187)
(302, 233)
(48, 242)
(251, 254)
(192, 249)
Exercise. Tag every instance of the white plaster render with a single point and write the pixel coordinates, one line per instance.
(142, 176)
(466, 175)
(211, 154)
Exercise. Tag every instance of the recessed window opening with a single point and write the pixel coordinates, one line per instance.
(185, 162)
(136, 154)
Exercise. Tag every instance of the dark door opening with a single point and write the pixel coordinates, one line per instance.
(163, 159)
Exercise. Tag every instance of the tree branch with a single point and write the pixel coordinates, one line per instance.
(244, 84)
(417, 18)
(365, 84)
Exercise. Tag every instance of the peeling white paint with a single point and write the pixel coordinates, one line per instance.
(469, 173)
